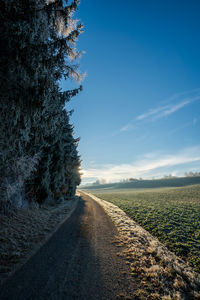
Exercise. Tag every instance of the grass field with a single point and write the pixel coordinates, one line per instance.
(147, 183)
(170, 214)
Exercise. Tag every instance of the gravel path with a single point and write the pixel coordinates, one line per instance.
(80, 261)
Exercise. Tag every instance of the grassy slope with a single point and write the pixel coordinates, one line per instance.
(154, 183)
(158, 272)
(170, 214)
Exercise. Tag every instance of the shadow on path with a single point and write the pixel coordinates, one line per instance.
(62, 269)
(80, 261)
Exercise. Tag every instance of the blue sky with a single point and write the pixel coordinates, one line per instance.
(138, 113)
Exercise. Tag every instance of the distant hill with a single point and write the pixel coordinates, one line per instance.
(153, 183)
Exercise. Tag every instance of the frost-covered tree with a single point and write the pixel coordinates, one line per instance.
(38, 40)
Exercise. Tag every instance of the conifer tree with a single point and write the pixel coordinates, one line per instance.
(38, 49)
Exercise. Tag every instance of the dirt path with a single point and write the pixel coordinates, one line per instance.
(80, 261)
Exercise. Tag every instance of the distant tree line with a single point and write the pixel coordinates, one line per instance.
(148, 183)
(192, 174)
(135, 180)
(38, 152)
(99, 181)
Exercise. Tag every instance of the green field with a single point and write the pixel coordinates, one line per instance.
(170, 214)
(147, 183)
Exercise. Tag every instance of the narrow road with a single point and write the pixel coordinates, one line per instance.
(79, 261)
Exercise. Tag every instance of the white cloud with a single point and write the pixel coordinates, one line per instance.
(127, 127)
(172, 105)
(167, 109)
(148, 166)
(151, 112)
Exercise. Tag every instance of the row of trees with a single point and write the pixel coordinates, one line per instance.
(192, 174)
(170, 176)
(38, 157)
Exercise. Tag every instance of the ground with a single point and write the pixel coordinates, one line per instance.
(100, 253)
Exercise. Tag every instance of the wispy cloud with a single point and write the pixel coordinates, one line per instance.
(127, 127)
(171, 106)
(150, 165)
(162, 111)
(193, 123)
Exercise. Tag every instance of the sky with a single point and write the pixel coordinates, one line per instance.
(139, 112)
